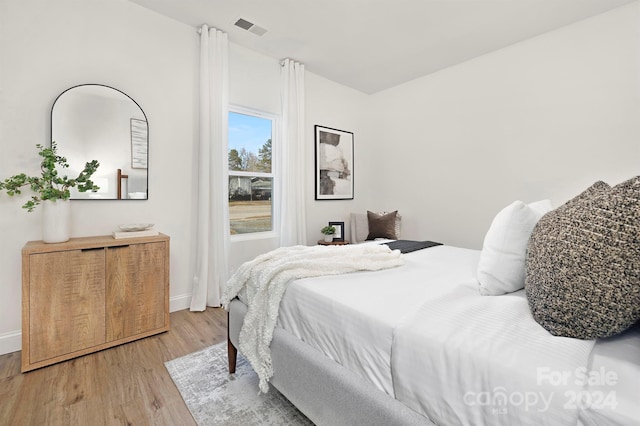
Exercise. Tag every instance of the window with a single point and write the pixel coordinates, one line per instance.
(250, 171)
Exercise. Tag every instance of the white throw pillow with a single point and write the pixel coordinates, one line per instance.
(501, 264)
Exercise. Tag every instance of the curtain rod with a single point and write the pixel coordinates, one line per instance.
(282, 61)
(199, 29)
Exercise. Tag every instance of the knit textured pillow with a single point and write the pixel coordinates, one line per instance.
(583, 263)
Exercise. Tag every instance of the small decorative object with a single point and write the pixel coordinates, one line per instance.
(148, 232)
(328, 232)
(334, 164)
(52, 190)
(131, 227)
(134, 230)
(338, 234)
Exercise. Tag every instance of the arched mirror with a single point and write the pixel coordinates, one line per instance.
(96, 122)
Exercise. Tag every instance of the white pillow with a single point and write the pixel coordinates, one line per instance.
(501, 264)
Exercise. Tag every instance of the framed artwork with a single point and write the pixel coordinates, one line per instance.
(334, 164)
(139, 144)
(339, 234)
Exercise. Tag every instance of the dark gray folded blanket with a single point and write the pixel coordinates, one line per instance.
(407, 246)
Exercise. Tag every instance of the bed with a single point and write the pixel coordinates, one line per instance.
(420, 344)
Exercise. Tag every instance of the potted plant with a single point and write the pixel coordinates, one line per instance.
(52, 190)
(328, 232)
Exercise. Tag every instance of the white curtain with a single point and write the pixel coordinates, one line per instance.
(212, 233)
(293, 229)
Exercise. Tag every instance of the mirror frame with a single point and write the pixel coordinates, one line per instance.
(120, 175)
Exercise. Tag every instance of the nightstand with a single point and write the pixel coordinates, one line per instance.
(333, 243)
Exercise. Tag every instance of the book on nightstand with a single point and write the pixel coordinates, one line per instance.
(134, 234)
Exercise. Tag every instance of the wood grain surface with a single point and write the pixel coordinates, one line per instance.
(91, 293)
(123, 385)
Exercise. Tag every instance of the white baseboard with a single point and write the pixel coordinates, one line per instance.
(12, 341)
(178, 303)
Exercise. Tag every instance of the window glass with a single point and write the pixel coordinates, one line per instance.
(250, 173)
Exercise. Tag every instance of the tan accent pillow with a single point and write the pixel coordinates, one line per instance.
(583, 263)
(382, 226)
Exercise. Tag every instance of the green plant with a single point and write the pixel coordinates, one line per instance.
(328, 230)
(50, 185)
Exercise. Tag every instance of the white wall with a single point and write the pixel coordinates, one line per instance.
(544, 118)
(331, 105)
(47, 47)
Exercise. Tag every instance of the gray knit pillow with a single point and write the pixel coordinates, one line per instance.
(583, 263)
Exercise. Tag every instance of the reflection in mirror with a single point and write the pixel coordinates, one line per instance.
(96, 122)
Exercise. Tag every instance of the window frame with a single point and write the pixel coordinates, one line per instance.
(275, 195)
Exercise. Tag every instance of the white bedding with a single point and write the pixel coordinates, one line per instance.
(423, 334)
(612, 394)
(483, 360)
(263, 282)
(352, 321)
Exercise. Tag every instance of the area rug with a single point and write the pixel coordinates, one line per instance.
(215, 398)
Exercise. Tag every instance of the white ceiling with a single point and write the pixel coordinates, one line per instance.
(372, 45)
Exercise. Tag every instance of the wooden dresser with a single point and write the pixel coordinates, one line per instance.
(91, 293)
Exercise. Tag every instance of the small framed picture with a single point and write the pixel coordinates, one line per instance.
(339, 234)
(139, 144)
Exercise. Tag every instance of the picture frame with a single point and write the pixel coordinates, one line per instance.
(333, 164)
(339, 234)
(139, 144)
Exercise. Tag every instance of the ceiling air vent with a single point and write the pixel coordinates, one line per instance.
(250, 26)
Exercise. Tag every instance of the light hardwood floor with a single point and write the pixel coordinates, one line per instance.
(124, 385)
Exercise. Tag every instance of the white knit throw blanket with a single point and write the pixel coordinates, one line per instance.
(266, 278)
